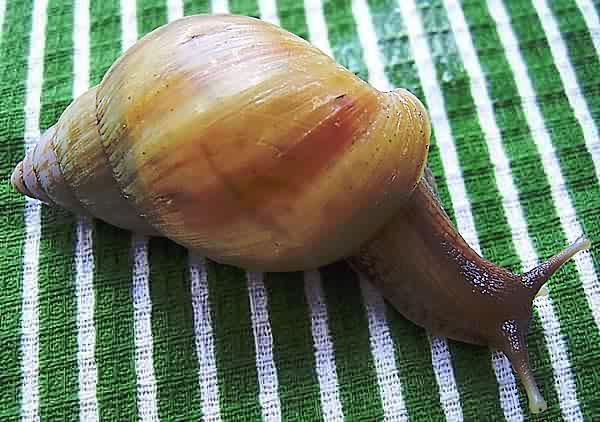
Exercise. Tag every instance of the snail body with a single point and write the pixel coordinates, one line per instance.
(245, 144)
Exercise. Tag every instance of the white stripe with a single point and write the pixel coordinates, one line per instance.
(81, 47)
(84, 253)
(368, 40)
(591, 20)
(219, 6)
(564, 381)
(142, 314)
(382, 348)
(174, 9)
(203, 335)
(324, 353)
(441, 361)
(541, 137)
(263, 340)
(129, 30)
(449, 394)
(86, 330)
(569, 81)
(142, 303)
(317, 27)
(384, 355)
(32, 216)
(268, 11)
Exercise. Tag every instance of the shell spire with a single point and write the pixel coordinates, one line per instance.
(67, 168)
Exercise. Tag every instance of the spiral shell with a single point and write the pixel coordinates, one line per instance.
(238, 140)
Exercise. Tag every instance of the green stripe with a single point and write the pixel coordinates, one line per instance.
(115, 350)
(13, 73)
(359, 392)
(57, 305)
(150, 15)
(343, 37)
(192, 7)
(175, 364)
(580, 331)
(244, 7)
(292, 17)
(293, 347)
(234, 343)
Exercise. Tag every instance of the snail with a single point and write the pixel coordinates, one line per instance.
(246, 144)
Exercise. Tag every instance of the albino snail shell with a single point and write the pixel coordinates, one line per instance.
(242, 142)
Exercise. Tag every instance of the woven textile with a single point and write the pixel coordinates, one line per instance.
(100, 324)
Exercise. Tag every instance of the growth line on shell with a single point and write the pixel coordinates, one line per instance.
(30, 324)
(564, 381)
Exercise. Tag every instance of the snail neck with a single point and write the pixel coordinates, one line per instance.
(429, 273)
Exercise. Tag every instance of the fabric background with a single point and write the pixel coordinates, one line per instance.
(97, 324)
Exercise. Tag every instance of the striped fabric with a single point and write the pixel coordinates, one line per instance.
(100, 324)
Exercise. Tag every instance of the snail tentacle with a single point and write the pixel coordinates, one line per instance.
(537, 277)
